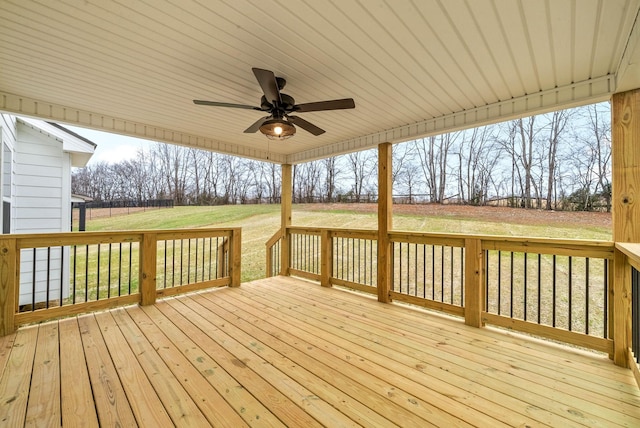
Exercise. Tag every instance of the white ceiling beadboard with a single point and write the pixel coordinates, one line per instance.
(413, 67)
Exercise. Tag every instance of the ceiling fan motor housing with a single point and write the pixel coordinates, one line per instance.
(285, 106)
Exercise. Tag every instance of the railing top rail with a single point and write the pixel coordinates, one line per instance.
(504, 238)
(338, 232)
(274, 238)
(35, 240)
(602, 247)
(306, 230)
(632, 251)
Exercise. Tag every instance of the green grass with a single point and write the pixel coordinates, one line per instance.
(181, 217)
(260, 222)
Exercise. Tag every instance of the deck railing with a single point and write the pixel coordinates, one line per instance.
(628, 315)
(51, 275)
(559, 289)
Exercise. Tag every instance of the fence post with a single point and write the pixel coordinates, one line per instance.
(473, 282)
(235, 257)
(620, 315)
(8, 285)
(148, 256)
(326, 258)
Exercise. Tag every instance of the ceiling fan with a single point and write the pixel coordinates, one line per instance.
(280, 123)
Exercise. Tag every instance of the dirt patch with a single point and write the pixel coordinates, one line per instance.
(493, 214)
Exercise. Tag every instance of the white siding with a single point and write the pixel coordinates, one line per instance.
(39, 161)
(42, 201)
(7, 144)
(35, 160)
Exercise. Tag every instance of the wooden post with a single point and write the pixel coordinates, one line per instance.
(621, 314)
(8, 285)
(385, 221)
(473, 282)
(269, 262)
(625, 155)
(235, 257)
(223, 251)
(326, 258)
(286, 196)
(147, 267)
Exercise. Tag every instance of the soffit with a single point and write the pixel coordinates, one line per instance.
(414, 68)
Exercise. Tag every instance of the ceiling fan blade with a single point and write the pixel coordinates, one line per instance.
(217, 104)
(307, 126)
(325, 105)
(269, 85)
(254, 128)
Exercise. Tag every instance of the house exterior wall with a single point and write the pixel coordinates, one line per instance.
(7, 145)
(35, 186)
(42, 201)
(41, 170)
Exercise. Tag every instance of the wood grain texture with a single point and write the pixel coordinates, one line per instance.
(235, 257)
(44, 393)
(473, 282)
(385, 220)
(286, 352)
(110, 399)
(16, 376)
(625, 166)
(78, 408)
(286, 199)
(147, 280)
(8, 285)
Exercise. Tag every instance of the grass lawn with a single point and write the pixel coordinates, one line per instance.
(260, 222)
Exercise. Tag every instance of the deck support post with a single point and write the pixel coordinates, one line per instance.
(473, 282)
(8, 285)
(326, 258)
(385, 221)
(625, 138)
(286, 197)
(235, 257)
(147, 280)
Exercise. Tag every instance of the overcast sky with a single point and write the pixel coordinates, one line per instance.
(111, 148)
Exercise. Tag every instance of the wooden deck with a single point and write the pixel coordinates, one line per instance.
(285, 352)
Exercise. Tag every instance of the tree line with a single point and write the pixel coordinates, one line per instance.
(559, 160)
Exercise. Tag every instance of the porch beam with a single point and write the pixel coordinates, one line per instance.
(625, 135)
(385, 221)
(286, 196)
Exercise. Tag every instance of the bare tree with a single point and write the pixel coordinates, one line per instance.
(596, 136)
(331, 175)
(361, 165)
(433, 153)
(557, 123)
(478, 157)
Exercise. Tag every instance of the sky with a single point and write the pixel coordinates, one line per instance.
(111, 148)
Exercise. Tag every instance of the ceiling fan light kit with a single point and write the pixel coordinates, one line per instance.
(278, 129)
(279, 125)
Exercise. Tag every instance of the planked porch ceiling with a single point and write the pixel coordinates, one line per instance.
(414, 68)
(285, 352)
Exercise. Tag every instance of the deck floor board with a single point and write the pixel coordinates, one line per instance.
(287, 352)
